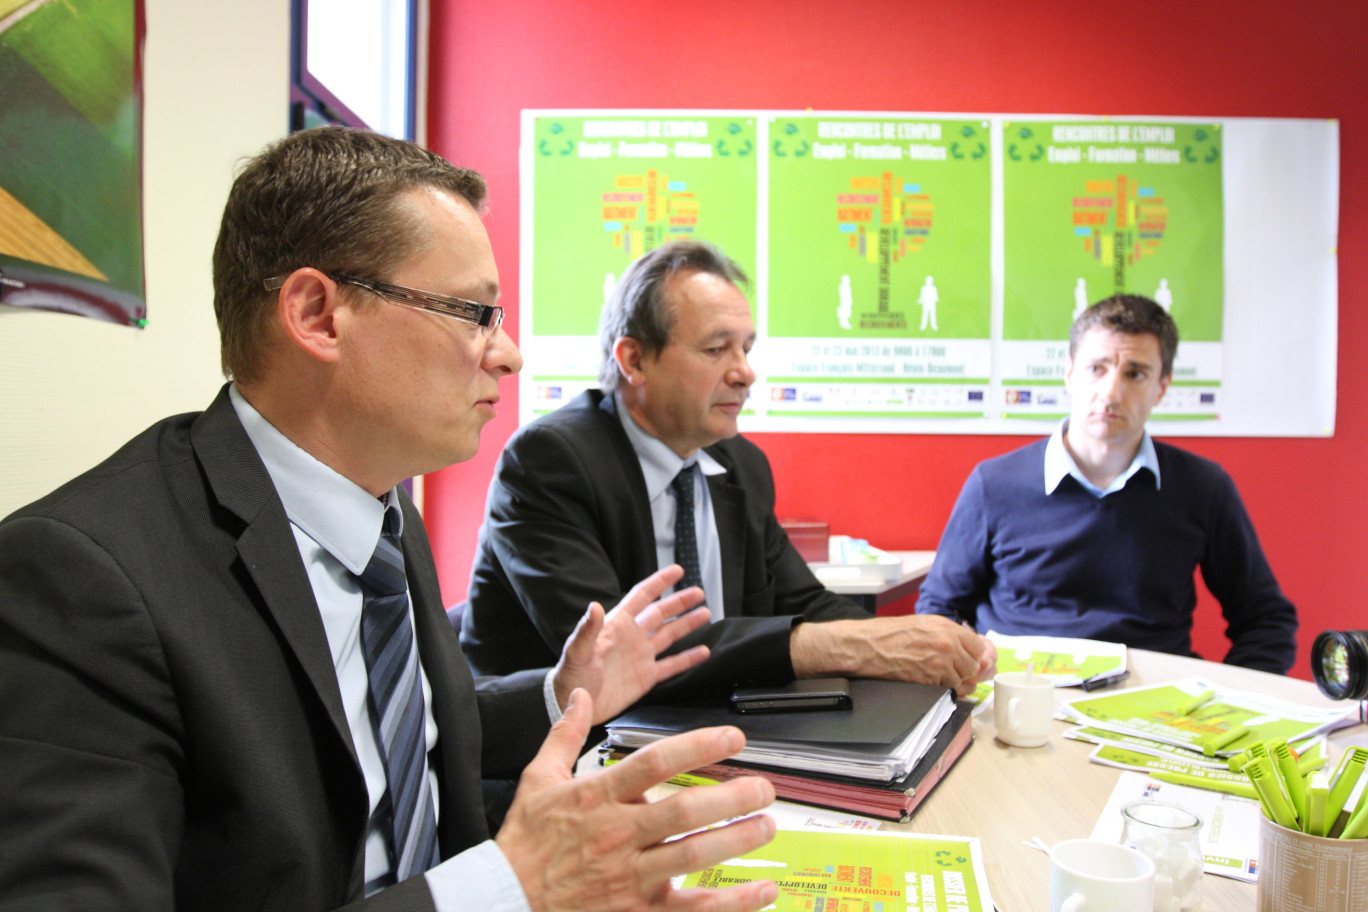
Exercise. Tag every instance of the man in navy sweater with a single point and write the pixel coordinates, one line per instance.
(1095, 531)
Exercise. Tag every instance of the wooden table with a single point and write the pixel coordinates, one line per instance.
(1004, 795)
(873, 594)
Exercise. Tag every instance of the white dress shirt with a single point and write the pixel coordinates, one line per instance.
(336, 525)
(1059, 464)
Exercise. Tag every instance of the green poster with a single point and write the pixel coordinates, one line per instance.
(606, 189)
(878, 228)
(1092, 209)
(834, 871)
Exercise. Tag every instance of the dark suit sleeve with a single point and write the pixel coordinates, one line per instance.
(1260, 622)
(959, 579)
(513, 721)
(91, 810)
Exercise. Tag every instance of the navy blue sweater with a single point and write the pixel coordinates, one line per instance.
(1118, 568)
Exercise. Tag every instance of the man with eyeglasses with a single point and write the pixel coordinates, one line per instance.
(226, 677)
(591, 497)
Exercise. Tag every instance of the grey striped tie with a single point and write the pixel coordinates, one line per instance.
(396, 702)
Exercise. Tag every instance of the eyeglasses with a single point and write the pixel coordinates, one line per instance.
(486, 316)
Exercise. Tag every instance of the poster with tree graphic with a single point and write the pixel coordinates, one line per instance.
(605, 190)
(1092, 209)
(919, 272)
(879, 291)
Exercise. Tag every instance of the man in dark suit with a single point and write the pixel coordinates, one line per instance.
(226, 677)
(585, 500)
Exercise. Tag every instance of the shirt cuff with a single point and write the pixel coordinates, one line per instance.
(553, 710)
(478, 878)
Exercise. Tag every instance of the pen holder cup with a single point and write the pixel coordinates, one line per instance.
(1303, 873)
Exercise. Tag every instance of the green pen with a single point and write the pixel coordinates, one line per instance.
(1216, 742)
(1357, 827)
(1254, 752)
(1347, 775)
(1308, 765)
(1292, 779)
(1243, 789)
(1275, 804)
(1317, 791)
(1310, 755)
(1190, 706)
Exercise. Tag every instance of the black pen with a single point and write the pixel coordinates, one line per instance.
(1098, 681)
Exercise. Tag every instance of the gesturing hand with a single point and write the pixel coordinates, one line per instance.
(615, 658)
(594, 843)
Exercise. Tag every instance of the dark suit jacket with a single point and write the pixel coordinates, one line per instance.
(171, 730)
(568, 522)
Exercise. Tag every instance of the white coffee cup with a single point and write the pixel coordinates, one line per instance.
(1023, 707)
(1089, 876)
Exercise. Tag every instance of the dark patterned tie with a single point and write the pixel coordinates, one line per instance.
(396, 703)
(686, 539)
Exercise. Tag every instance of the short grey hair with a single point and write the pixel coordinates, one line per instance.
(637, 308)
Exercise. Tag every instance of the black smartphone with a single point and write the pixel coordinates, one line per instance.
(805, 695)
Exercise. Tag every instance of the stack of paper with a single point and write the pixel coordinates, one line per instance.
(880, 739)
(894, 800)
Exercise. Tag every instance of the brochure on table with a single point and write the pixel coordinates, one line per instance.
(1174, 771)
(1154, 713)
(1230, 824)
(1068, 661)
(1177, 755)
(830, 869)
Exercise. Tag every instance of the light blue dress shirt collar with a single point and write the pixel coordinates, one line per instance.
(1059, 463)
(331, 509)
(659, 463)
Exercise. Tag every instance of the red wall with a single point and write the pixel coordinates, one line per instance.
(1253, 59)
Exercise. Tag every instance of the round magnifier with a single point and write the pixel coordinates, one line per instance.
(1339, 663)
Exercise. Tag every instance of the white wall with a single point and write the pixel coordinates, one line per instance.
(215, 81)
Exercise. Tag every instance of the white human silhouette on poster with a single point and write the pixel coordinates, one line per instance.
(609, 283)
(1080, 297)
(1163, 296)
(927, 299)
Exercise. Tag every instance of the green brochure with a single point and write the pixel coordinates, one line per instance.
(1144, 746)
(1068, 660)
(1155, 713)
(1179, 772)
(890, 872)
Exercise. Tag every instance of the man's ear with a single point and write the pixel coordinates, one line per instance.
(307, 309)
(628, 354)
